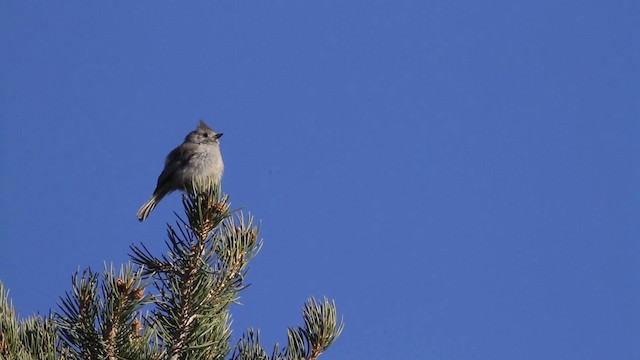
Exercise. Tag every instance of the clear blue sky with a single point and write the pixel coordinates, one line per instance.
(462, 177)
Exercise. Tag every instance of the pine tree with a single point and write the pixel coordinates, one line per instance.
(173, 306)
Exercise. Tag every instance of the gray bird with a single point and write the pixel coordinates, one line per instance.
(195, 164)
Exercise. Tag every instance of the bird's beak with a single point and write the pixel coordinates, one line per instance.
(218, 136)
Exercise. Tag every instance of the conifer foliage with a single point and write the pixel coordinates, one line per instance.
(171, 306)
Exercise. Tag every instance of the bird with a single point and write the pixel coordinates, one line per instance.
(194, 165)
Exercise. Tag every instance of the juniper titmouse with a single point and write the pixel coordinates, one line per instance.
(195, 164)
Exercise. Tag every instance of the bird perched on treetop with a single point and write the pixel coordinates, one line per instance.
(194, 165)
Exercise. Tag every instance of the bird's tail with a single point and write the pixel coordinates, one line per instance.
(147, 207)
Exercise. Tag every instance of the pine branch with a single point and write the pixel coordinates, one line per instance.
(200, 276)
(192, 287)
(101, 317)
(79, 314)
(249, 347)
(32, 338)
(321, 329)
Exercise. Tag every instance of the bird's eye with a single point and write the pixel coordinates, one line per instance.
(205, 134)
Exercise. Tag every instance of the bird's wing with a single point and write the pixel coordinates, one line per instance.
(176, 159)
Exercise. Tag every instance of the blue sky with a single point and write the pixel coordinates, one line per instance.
(460, 176)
